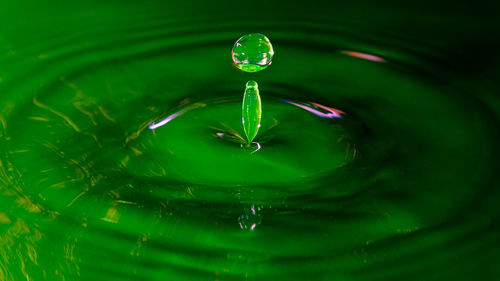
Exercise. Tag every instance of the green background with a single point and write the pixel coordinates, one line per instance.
(403, 187)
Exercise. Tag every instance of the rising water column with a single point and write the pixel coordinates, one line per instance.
(252, 53)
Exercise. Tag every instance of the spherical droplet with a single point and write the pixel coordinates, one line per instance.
(253, 52)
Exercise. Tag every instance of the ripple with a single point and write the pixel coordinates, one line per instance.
(294, 145)
(89, 187)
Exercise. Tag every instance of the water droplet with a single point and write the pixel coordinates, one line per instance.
(251, 110)
(253, 52)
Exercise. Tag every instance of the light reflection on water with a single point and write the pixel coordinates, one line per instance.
(83, 196)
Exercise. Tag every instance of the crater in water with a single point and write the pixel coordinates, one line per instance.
(197, 144)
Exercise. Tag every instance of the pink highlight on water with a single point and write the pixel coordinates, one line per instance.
(330, 114)
(363, 56)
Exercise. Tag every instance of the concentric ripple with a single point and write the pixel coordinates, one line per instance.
(376, 161)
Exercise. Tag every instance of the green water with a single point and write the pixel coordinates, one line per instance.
(378, 157)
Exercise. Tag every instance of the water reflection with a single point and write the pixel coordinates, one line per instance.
(313, 108)
(363, 56)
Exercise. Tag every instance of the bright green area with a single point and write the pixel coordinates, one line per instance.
(88, 192)
(251, 110)
(252, 52)
(188, 149)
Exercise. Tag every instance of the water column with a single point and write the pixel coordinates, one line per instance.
(252, 53)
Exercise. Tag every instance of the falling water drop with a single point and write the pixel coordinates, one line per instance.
(252, 52)
(251, 110)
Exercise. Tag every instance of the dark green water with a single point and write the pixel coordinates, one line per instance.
(402, 187)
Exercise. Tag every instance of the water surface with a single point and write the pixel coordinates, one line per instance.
(402, 186)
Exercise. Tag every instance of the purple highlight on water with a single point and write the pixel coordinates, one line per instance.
(332, 112)
(258, 147)
(171, 117)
